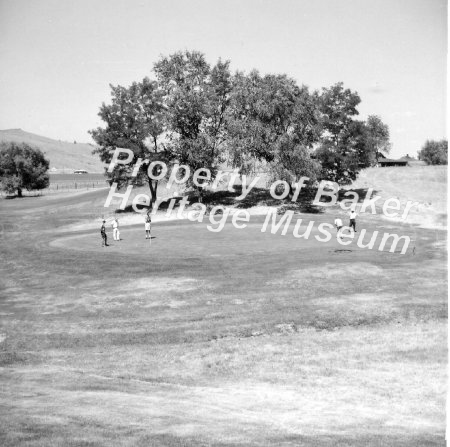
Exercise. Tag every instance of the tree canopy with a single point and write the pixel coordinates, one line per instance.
(201, 116)
(434, 152)
(135, 120)
(274, 121)
(196, 98)
(348, 145)
(22, 167)
(177, 118)
(342, 137)
(377, 138)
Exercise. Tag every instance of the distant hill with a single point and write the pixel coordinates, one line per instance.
(64, 157)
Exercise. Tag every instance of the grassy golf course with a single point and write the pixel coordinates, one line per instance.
(234, 338)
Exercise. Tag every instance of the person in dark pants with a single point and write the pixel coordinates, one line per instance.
(104, 237)
(353, 220)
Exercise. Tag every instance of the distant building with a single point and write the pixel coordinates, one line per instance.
(386, 162)
(80, 171)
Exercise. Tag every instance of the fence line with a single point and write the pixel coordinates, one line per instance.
(75, 185)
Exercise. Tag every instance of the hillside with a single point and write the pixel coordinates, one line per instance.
(424, 184)
(63, 156)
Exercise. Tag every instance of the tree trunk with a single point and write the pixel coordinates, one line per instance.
(19, 192)
(153, 185)
(291, 191)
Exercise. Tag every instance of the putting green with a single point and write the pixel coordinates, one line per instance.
(185, 239)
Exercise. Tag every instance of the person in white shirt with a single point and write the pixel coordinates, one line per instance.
(338, 223)
(116, 232)
(148, 227)
(353, 215)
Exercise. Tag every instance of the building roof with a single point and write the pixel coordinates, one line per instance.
(390, 160)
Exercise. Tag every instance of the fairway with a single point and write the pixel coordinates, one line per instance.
(239, 337)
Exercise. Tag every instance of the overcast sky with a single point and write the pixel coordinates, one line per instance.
(57, 58)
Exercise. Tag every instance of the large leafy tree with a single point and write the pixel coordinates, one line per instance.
(434, 152)
(200, 116)
(135, 120)
(196, 98)
(275, 122)
(22, 167)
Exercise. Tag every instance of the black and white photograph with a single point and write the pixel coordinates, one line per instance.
(223, 223)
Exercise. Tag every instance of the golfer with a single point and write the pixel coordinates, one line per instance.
(338, 223)
(148, 227)
(116, 232)
(103, 233)
(353, 215)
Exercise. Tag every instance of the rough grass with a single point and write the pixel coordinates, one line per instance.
(228, 339)
(424, 184)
